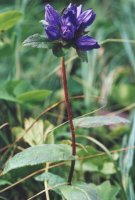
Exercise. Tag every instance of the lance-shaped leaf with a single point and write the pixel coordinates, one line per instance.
(97, 121)
(38, 155)
(36, 40)
(33, 96)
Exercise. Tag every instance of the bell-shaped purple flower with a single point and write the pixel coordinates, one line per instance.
(69, 15)
(68, 28)
(86, 18)
(51, 23)
(51, 15)
(86, 43)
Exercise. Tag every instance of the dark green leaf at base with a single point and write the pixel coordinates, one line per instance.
(38, 155)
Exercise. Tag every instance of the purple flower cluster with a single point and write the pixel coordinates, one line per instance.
(69, 27)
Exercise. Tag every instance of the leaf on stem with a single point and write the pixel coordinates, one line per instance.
(38, 155)
(85, 191)
(36, 40)
(97, 121)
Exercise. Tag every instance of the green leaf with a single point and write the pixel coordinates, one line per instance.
(51, 178)
(97, 121)
(106, 191)
(124, 94)
(96, 163)
(82, 55)
(80, 191)
(36, 40)
(99, 165)
(9, 19)
(34, 96)
(4, 182)
(4, 95)
(17, 87)
(38, 155)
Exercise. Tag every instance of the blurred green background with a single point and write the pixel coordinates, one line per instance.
(107, 80)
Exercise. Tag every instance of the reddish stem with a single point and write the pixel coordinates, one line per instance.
(70, 120)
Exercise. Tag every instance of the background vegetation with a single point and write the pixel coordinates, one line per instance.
(106, 84)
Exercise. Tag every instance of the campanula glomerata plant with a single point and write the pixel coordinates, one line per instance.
(66, 30)
(63, 31)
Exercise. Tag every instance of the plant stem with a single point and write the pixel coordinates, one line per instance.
(70, 121)
(46, 184)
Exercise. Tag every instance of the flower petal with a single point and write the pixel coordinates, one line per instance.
(68, 31)
(86, 43)
(51, 15)
(79, 10)
(52, 32)
(69, 6)
(86, 18)
(69, 15)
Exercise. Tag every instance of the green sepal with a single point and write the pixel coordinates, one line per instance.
(58, 50)
(82, 55)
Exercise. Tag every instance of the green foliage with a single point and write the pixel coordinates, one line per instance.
(83, 55)
(58, 51)
(15, 91)
(33, 96)
(96, 121)
(106, 191)
(51, 178)
(125, 92)
(38, 155)
(34, 137)
(36, 40)
(40, 41)
(79, 191)
(98, 162)
(4, 95)
(4, 182)
(9, 19)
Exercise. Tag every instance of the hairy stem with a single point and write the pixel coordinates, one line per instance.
(70, 121)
